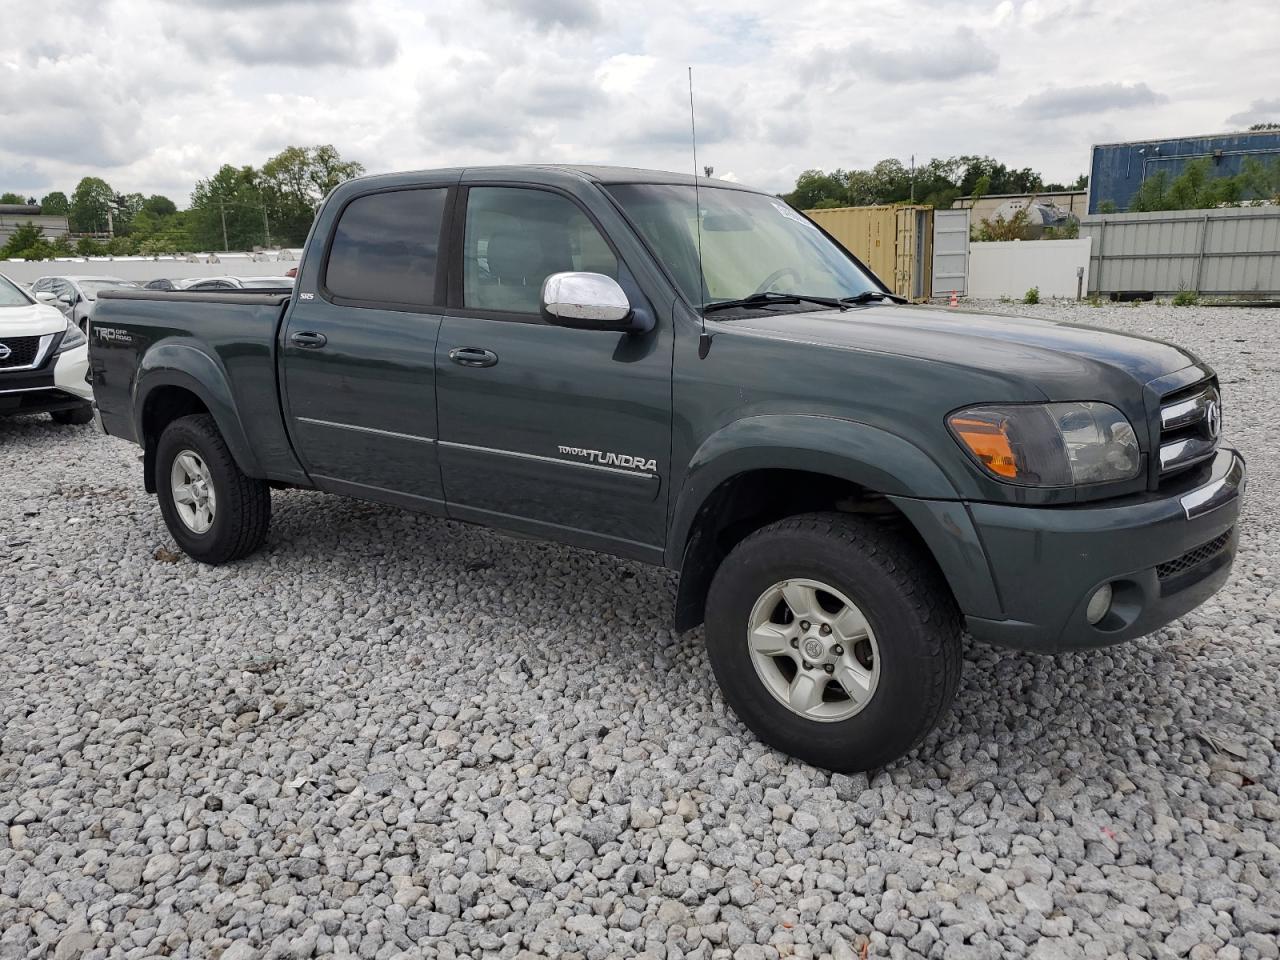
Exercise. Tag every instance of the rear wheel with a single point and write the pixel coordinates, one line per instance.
(212, 509)
(834, 639)
(76, 416)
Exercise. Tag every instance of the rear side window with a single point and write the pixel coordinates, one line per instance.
(386, 248)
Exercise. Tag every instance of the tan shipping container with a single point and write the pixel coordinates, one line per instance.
(894, 241)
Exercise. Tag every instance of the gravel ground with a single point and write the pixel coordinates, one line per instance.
(391, 735)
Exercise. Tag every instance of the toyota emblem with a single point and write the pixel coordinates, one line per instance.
(4, 351)
(1213, 419)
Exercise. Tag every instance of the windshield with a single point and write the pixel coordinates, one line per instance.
(10, 295)
(751, 244)
(90, 288)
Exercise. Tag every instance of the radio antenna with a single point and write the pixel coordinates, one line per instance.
(704, 338)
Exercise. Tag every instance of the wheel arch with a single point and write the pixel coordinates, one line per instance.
(177, 380)
(764, 469)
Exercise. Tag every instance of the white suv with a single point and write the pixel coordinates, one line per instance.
(44, 358)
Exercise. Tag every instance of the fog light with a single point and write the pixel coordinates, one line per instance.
(1099, 604)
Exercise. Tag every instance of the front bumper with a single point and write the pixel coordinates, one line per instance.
(59, 385)
(1163, 556)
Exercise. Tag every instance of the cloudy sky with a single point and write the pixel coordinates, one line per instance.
(153, 94)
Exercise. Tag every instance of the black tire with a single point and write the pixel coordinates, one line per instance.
(910, 610)
(243, 504)
(76, 416)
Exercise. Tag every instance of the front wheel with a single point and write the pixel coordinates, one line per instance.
(834, 639)
(212, 509)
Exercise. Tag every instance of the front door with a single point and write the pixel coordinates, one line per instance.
(558, 432)
(358, 351)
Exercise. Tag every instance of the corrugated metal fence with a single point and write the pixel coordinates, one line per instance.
(1229, 251)
(896, 242)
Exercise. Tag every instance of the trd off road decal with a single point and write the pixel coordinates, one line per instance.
(605, 459)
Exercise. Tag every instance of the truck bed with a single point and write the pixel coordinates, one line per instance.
(220, 346)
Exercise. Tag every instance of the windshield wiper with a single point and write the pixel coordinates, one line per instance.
(769, 298)
(868, 295)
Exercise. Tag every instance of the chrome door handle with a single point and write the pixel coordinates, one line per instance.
(306, 338)
(473, 356)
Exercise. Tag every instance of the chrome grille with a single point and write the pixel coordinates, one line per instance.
(18, 351)
(1190, 421)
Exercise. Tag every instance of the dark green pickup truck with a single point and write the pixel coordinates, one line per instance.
(701, 379)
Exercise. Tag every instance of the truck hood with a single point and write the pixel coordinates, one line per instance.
(1056, 357)
(33, 320)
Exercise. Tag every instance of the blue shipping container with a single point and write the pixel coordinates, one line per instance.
(1118, 169)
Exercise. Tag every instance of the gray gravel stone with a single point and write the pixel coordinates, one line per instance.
(377, 738)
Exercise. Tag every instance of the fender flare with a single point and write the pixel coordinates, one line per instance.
(188, 366)
(869, 456)
(853, 451)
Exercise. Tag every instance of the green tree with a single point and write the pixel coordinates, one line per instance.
(155, 234)
(127, 207)
(12, 198)
(55, 203)
(1015, 228)
(1200, 187)
(1260, 181)
(27, 243)
(90, 205)
(293, 183)
(937, 183)
(815, 189)
(226, 210)
(159, 205)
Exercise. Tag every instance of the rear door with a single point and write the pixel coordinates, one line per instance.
(558, 432)
(358, 349)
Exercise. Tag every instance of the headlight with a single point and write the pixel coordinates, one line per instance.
(72, 338)
(1050, 444)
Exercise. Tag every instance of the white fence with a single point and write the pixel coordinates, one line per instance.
(272, 264)
(1009, 268)
(1233, 250)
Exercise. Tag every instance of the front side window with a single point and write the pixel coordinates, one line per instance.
(751, 243)
(515, 238)
(386, 248)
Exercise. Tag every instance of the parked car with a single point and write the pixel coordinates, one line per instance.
(43, 358)
(241, 283)
(170, 283)
(77, 296)
(701, 379)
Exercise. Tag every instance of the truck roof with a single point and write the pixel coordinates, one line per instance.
(598, 173)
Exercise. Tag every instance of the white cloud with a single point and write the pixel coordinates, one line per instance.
(1259, 111)
(152, 96)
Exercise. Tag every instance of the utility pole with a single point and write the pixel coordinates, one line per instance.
(111, 227)
(266, 226)
(913, 178)
(222, 207)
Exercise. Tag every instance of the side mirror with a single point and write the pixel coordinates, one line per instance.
(65, 298)
(587, 301)
(44, 296)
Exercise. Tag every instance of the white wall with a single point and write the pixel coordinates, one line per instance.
(153, 268)
(1009, 268)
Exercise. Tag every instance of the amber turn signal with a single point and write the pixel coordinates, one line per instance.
(987, 437)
